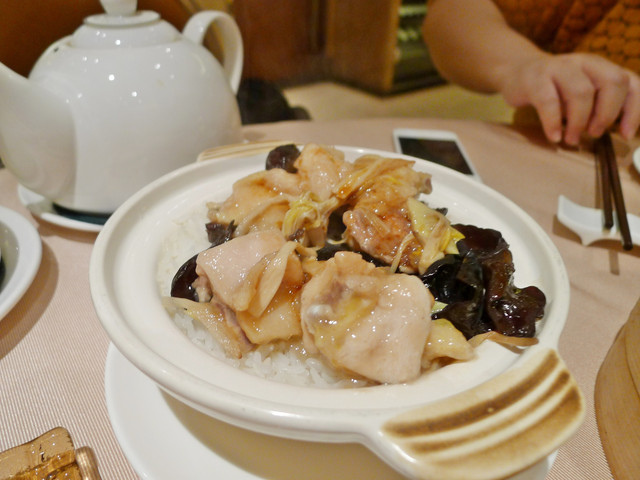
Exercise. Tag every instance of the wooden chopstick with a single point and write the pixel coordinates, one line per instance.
(610, 179)
(605, 182)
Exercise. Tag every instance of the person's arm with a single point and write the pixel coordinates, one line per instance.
(471, 44)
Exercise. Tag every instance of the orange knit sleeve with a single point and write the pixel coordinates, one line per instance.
(538, 20)
(610, 28)
(617, 35)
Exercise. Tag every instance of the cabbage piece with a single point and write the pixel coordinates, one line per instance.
(445, 342)
(307, 219)
(281, 267)
(434, 232)
(217, 319)
(513, 343)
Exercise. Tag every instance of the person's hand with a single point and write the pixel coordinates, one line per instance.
(575, 93)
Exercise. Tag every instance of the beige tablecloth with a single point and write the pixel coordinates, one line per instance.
(53, 348)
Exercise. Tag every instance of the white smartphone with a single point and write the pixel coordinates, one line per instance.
(439, 146)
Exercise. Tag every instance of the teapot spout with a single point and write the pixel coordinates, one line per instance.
(37, 139)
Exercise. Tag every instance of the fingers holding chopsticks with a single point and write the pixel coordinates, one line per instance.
(578, 93)
(630, 120)
(617, 98)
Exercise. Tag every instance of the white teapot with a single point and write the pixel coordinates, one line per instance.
(122, 101)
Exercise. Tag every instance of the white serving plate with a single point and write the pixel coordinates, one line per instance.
(21, 253)
(125, 293)
(165, 439)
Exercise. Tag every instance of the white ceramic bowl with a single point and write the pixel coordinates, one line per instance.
(386, 418)
(21, 253)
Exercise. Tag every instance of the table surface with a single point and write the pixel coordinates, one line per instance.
(53, 347)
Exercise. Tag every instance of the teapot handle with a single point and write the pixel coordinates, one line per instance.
(196, 28)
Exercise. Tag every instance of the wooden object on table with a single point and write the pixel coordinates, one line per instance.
(617, 401)
(361, 41)
(632, 346)
(378, 45)
(283, 39)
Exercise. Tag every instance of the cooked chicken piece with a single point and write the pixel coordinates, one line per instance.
(383, 237)
(365, 320)
(321, 168)
(258, 201)
(280, 321)
(267, 304)
(227, 265)
(371, 171)
(258, 276)
(378, 222)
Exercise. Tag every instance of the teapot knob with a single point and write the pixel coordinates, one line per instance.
(119, 7)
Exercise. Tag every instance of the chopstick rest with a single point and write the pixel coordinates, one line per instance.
(593, 224)
(587, 222)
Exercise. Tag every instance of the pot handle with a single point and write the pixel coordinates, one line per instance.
(494, 430)
(196, 28)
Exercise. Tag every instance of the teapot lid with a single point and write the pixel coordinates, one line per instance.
(122, 26)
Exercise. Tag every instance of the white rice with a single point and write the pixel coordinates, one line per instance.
(280, 361)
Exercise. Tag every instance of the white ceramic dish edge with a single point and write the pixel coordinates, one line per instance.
(158, 435)
(22, 252)
(43, 208)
